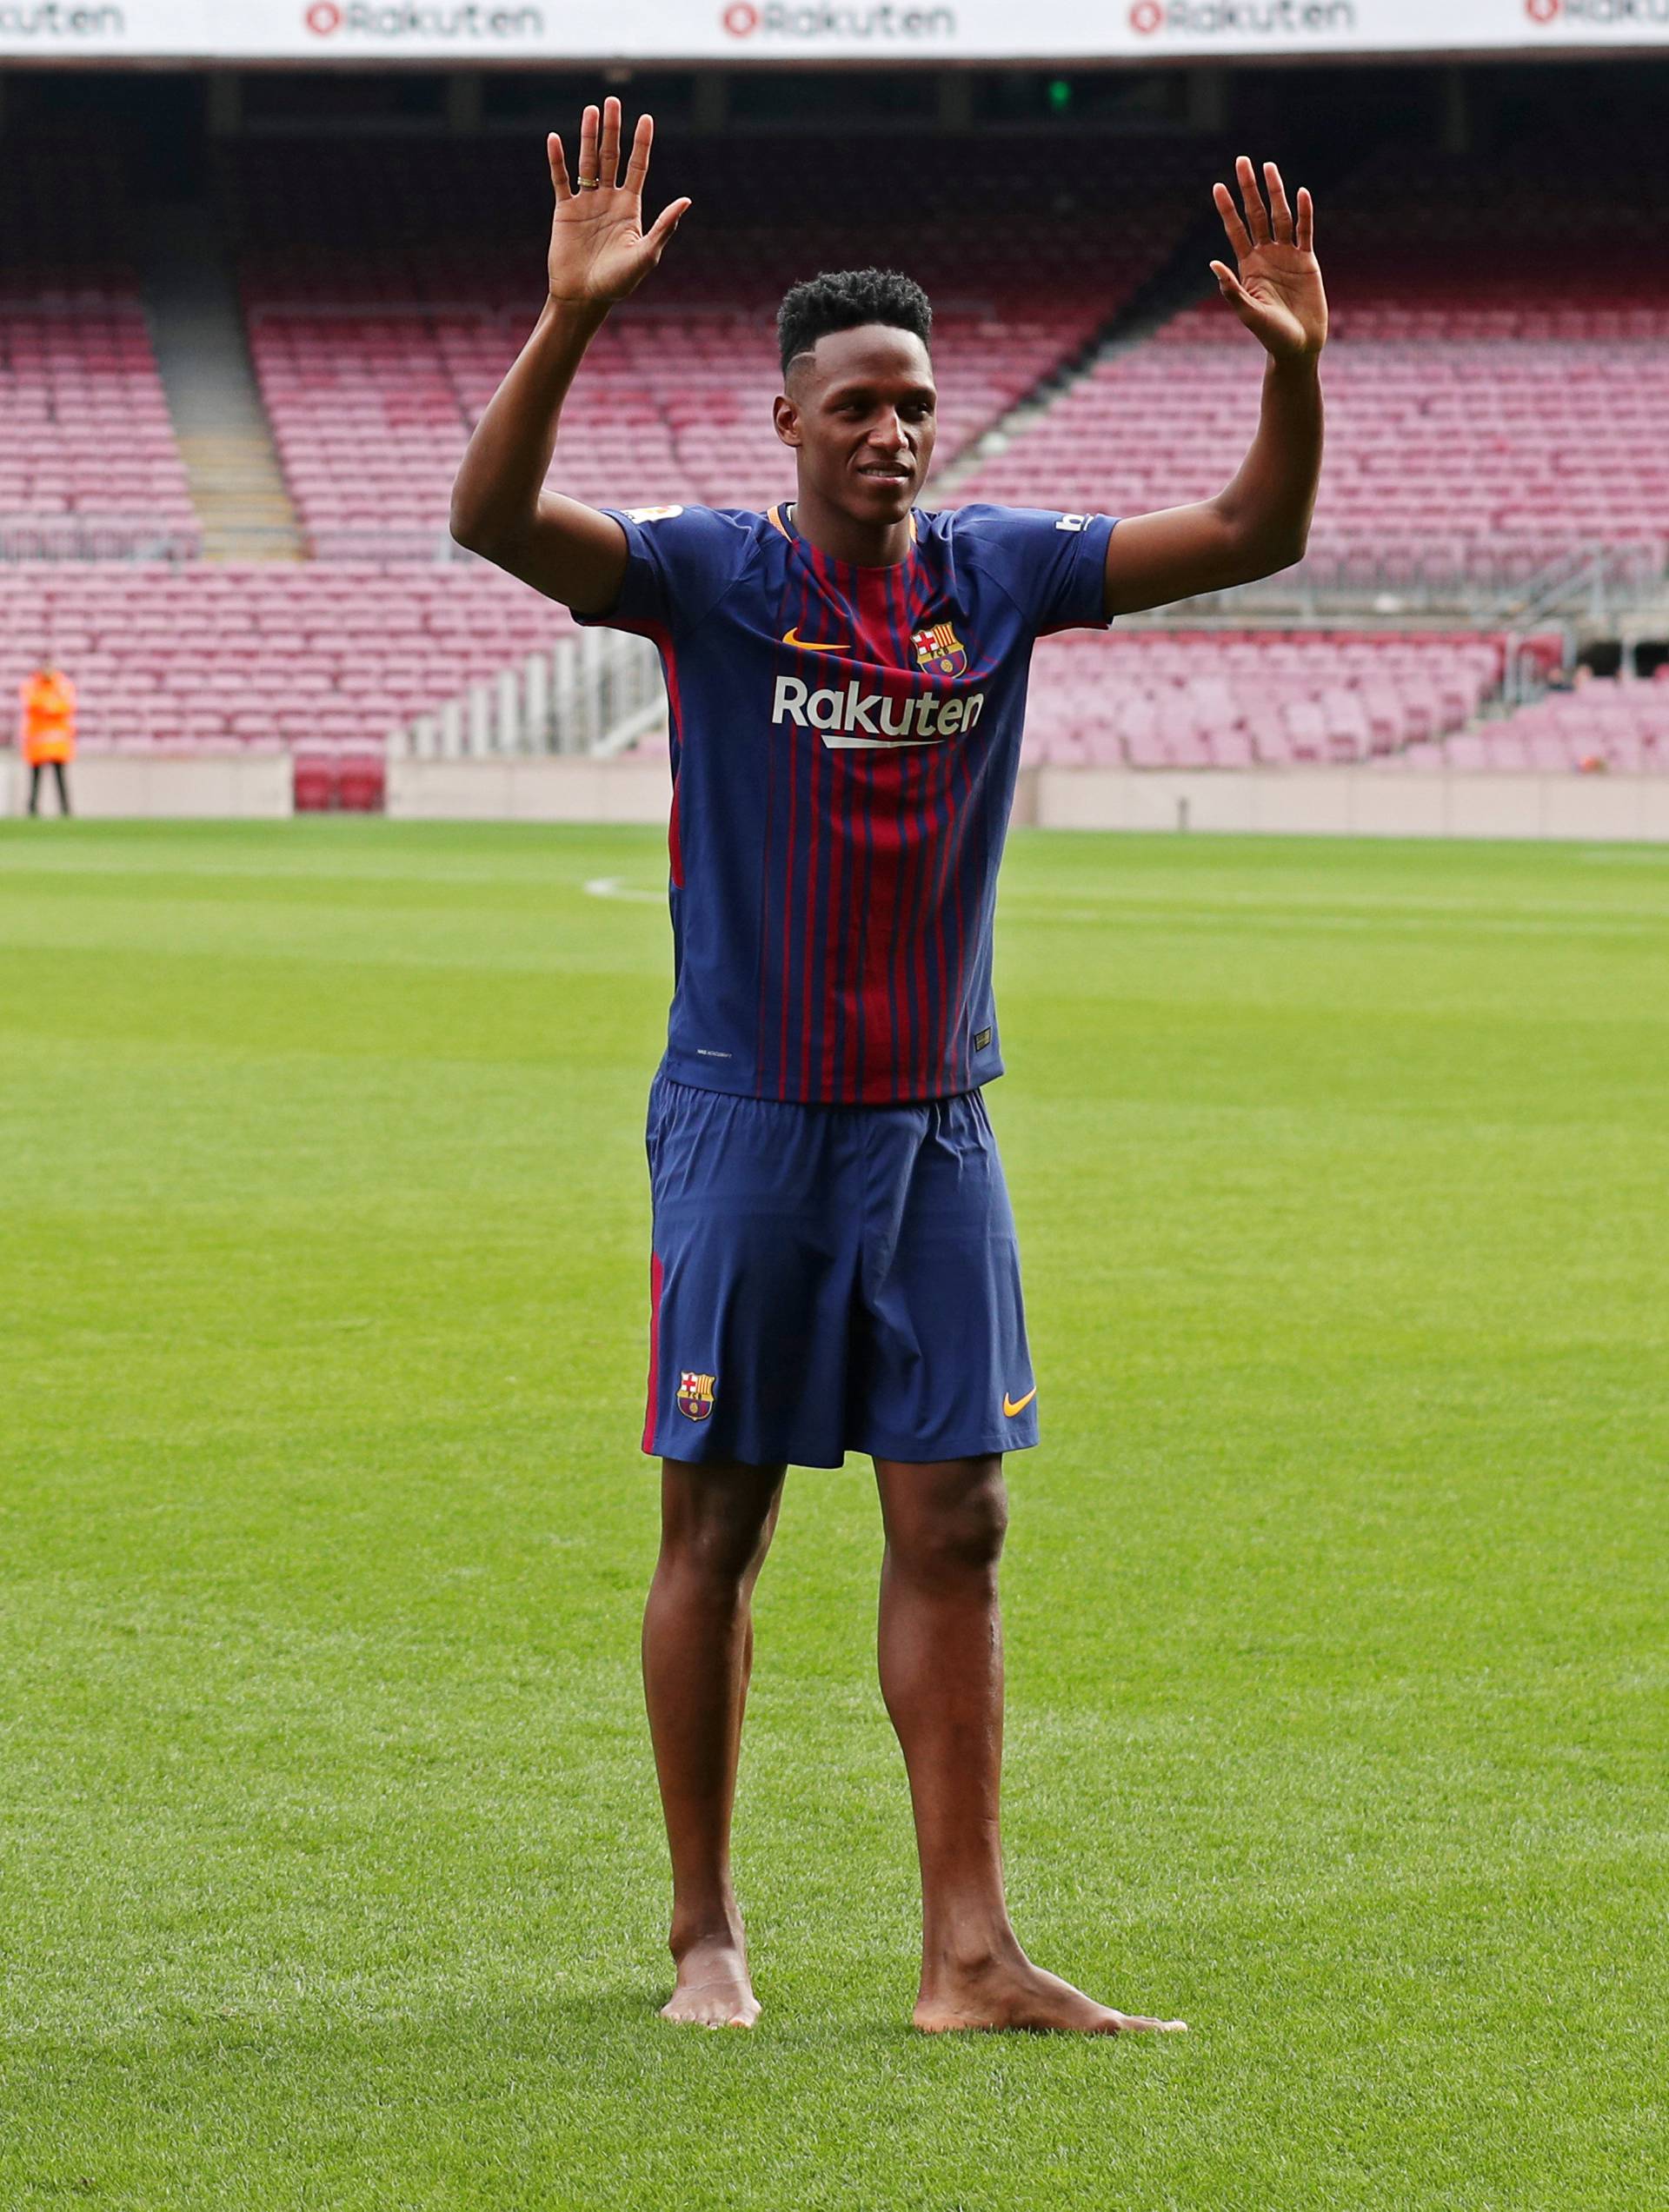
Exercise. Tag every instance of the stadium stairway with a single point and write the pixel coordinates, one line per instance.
(225, 441)
(1496, 436)
(1174, 286)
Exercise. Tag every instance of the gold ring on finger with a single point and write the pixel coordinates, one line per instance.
(589, 183)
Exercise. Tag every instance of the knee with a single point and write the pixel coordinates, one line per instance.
(952, 1540)
(719, 1554)
(716, 1541)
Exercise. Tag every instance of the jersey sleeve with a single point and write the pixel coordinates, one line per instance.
(1052, 566)
(680, 562)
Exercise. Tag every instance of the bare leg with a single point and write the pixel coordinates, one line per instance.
(716, 1522)
(940, 1649)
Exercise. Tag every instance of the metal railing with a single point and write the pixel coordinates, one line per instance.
(407, 546)
(1476, 581)
(595, 694)
(88, 538)
(96, 537)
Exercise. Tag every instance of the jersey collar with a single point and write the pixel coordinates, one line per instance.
(780, 517)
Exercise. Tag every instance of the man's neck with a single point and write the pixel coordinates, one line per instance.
(865, 545)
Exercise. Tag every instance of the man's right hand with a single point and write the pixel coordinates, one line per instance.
(599, 251)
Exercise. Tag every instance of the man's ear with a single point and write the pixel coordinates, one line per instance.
(785, 417)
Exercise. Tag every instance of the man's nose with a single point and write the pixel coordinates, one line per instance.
(889, 433)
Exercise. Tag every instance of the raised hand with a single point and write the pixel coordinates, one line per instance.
(1278, 293)
(599, 249)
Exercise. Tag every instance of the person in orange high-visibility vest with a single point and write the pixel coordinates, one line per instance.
(48, 730)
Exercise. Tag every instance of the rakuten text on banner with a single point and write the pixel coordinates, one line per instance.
(468, 33)
(94, 29)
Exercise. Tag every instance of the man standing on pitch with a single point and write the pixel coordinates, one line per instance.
(833, 1263)
(47, 701)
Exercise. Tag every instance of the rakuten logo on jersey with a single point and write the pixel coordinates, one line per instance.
(852, 720)
(421, 19)
(883, 21)
(1242, 18)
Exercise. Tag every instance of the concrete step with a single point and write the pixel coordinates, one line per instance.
(252, 476)
(259, 484)
(257, 480)
(229, 444)
(233, 472)
(233, 514)
(1172, 286)
(279, 547)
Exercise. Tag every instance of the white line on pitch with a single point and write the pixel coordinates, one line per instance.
(612, 887)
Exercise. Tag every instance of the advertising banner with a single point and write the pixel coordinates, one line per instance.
(468, 33)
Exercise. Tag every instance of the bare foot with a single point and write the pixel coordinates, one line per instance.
(713, 1990)
(1012, 1993)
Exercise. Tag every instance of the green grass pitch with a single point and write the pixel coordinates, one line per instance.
(330, 1867)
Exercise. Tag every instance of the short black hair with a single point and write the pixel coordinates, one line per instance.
(845, 299)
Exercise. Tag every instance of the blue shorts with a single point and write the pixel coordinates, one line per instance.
(828, 1279)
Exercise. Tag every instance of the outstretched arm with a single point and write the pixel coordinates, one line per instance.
(1260, 521)
(599, 253)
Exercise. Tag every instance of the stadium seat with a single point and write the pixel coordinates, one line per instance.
(88, 464)
(1490, 415)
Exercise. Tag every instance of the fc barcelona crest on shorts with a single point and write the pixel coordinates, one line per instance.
(940, 651)
(695, 1395)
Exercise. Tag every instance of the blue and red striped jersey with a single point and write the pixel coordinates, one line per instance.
(844, 742)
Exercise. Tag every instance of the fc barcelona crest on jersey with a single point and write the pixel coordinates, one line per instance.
(695, 1395)
(940, 651)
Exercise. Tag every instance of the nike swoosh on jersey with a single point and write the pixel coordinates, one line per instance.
(1013, 1405)
(805, 645)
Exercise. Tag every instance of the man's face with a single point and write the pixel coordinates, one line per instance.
(858, 412)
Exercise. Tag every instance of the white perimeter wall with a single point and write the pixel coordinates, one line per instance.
(548, 790)
(110, 785)
(1355, 802)
(1322, 801)
(1338, 803)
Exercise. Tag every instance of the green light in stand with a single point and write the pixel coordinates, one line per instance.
(1060, 94)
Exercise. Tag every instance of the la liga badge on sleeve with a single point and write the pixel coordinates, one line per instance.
(695, 1394)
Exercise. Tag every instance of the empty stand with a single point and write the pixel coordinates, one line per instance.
(376, 352)
(1445, 461)
(1602, 725)
(87, 461)
(1497, 384)
(1203, 699)
(265, 653)
(1489, 411)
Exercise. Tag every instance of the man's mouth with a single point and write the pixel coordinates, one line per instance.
(889, 472)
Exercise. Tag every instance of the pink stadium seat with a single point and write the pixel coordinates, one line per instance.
(303, 652)
(377, 352)
(1485, 419)
(88, 465)
(1171, 698)
(1604, 724)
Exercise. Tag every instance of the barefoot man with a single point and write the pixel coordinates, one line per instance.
(834, 1266)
